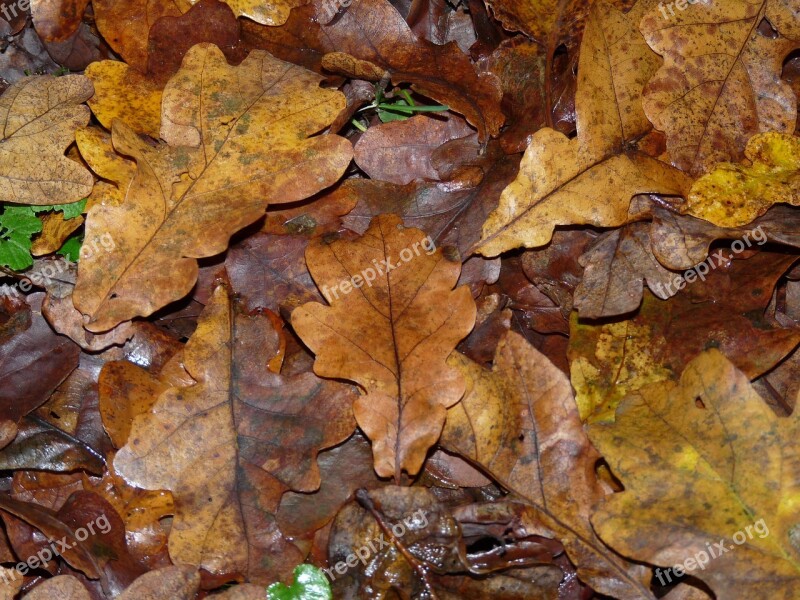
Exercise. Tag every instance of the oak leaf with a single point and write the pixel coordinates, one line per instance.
(704, 462)
(373, 31)
(391, 334)
(39, 116)
(588, 180)
(238, 140)
(734, 195)
(616, 266)
(727, 310)
(520, 423)
(721, 79)
(229, 445)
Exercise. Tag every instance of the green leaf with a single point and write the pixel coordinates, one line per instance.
(309, 583)
(71, 210)
(71, 250)
(17, 226)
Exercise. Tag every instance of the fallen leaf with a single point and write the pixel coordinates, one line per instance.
(401, 151)
(726, 311)
(734, 195)
(180, 582)
(721, 79)
(123, 93)
(29, 344)
(412, 318)
(616, 266)
(63, 587)
(39, 116)
(57, 20)
(373, 31)
(588, 180)
(251, 142)
(520, 423)
(233, 420)
(707, 440)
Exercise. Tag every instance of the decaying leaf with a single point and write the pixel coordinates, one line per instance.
(39, 116)
(249, 145)
(373, 31)
(721, 79)
(616, 267)
(710, 476)
(392, 321)
(521, 424)
(734, 195)
(231, 422)
(724, 309)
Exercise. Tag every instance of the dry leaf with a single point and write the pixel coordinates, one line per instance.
(39, 116)
(702, 460)
(721, 79)
(255, 434)
(391, 334)
(249, 145)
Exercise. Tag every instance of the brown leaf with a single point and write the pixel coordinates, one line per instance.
(616, 266)
(171, 37)
(57, 20)
(411, 320)
(401, 151)
(520, 423)
(29, 345)
(175, 582)
(39, 116)
(720, 83)
(63, 587)
(255, 432)
(373, 31)
(259, 153)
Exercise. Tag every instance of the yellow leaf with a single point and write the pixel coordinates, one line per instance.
(39, 116)
(705, 461)
(238, 139)
(734, 195)
(122, 93)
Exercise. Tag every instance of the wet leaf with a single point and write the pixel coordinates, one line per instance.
(707, 440)
(734, 195)
(720, 83)
(229, 420)
(520, 422)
